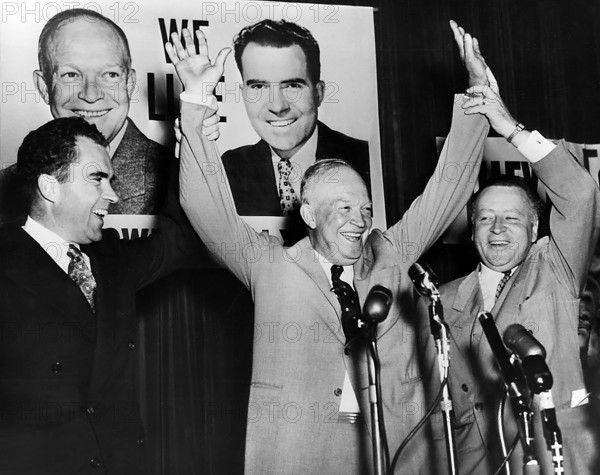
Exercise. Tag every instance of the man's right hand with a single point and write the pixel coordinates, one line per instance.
(197, 74)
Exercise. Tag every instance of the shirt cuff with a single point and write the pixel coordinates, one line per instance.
(535, 147)
(199, 99)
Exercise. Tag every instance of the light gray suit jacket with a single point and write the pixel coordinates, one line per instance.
(542, 295)
(299, 360)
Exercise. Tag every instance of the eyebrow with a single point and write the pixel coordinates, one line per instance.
(98, 175)
(250, 82)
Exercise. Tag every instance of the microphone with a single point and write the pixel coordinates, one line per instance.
(377, 304)
(532, 355)
(510, 376)
(539, 379)
(424, 280)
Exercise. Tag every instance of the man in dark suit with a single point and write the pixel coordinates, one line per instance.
(522, 279)
(68, 388)
(282, 88)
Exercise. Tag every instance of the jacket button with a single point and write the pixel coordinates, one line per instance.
(90, 410)
(478, 406)
(95, 462)
(465, 388)
(56, 368)
(131, 345)
(337, 391)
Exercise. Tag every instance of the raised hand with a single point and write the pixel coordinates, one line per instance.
(196, 72)
(470, 55)
(484, 100)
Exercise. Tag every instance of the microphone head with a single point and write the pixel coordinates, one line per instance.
(520, 341)
(377, 304)
(424, 279)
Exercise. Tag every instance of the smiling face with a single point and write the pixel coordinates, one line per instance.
(81, 202)
(281, 100)
(90, 77)
(504, 227)
(338, 212)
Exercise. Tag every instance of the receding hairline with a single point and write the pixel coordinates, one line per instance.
(314, 174)
(47, 39)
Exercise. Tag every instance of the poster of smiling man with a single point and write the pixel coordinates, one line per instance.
(107, 64)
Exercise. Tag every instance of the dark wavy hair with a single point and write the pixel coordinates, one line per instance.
(280, 34)
(52, 26)
(50, 150)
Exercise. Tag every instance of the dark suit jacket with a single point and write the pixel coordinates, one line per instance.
(68, 389)
(542, 295)
(252, 178)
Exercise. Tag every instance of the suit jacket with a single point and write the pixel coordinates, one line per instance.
(299, 359)
(252, 178)
(543, 296)
(141, 169)
(68, 389)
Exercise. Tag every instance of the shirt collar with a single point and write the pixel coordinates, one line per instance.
(305, 156)
(114, 143)
(54, 245)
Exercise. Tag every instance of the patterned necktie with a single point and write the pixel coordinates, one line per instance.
(502, 283)
(351, 316)
(287, 195)
(81, 274)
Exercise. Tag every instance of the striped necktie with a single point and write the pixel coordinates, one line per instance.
(502, 283)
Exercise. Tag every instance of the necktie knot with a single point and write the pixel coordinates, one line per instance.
(336, 273)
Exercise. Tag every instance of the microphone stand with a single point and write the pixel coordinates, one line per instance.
(373, 365)
(514, 382)
(439, 330)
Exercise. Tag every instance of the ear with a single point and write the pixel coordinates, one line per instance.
(41, 86)
(320, 91)
(308, 215)
(131, 83)
(534, 229)
(48, 187)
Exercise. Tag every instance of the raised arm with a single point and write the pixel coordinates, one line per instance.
(204, 190)
(451, 185)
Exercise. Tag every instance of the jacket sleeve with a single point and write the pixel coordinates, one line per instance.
(448, 190)
(207, 200)
(574, 217)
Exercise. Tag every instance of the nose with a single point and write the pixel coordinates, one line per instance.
(278, 103)
(498, 226)
(110, 195)
(90, 90)
(358, 219)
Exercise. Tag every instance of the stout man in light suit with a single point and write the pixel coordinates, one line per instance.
(526, 280)
(69, 347)
(308, 377)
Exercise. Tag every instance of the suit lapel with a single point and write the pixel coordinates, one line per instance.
(128, 164)
(310, 265)
(29, 266)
